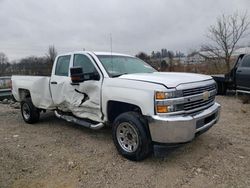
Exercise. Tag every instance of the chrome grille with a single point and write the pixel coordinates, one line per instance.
(198, 103)
(198, 90)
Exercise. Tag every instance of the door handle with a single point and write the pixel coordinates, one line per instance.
(53, 82)
(239, 71)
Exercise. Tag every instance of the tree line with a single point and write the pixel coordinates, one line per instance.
(31, 65)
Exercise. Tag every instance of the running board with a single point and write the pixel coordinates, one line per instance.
(78, 121)
(242, 91)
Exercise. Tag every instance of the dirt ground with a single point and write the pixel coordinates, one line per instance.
(55, 153)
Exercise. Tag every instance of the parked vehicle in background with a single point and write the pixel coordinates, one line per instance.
(146, 109)
(237, 79)
(5, 87)
(5, 82)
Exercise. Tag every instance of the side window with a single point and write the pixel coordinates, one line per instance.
(62, 66)
(246, 61)
(83, 61)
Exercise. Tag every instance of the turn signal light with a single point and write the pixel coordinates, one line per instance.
(161, 109)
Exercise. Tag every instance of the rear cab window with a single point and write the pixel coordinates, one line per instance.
(62, 65)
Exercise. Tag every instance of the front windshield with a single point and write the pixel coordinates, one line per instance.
(119, 65)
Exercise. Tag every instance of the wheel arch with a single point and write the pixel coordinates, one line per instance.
(115, 108)
(23, 94)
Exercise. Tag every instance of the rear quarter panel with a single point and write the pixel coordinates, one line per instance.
(38, 86)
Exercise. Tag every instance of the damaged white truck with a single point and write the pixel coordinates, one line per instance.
(148, 110)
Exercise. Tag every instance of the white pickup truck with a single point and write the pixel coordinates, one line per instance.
(147, 109)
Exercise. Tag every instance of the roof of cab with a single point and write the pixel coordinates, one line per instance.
(111, 53)
(97, 53)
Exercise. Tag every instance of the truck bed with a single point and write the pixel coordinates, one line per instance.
(38, 87)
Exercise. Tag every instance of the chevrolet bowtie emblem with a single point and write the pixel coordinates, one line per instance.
(206, 95)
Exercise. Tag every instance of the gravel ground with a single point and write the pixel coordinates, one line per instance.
(55, 153)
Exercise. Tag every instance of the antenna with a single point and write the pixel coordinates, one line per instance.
(111, 43)
(111, 51)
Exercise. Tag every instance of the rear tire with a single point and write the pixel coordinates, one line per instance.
(131, 136)
(29, 112)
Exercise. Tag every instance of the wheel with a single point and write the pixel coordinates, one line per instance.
(29, 112)
(131, 136)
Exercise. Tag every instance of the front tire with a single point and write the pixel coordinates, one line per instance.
(29, 112)
(131, 136)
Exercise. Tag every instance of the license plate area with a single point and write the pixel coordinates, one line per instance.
(200, 123)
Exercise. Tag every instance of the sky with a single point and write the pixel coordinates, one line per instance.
(28, 27)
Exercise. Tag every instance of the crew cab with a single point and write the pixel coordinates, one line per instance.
(237, 79)
(145, 108)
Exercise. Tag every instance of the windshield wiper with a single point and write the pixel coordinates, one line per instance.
(117, 75)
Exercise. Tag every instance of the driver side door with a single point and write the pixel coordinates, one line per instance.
(89, 89)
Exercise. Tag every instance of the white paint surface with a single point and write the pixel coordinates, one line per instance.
(92, 97)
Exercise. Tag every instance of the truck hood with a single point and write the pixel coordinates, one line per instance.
(169, 79)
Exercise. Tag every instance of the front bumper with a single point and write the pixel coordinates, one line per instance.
(182, 128)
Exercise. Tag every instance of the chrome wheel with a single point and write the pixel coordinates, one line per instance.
(26, 111)
(127, 137)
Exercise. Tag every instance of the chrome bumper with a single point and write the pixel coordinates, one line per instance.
(182, 128)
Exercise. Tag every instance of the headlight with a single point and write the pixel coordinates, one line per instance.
(161, 105)
(159, 95)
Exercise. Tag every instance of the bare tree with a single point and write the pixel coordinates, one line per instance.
(3, 63)
(3, 58)
(143, 56)
(171, 56)
(51, 55)
(225, 34)
(164, 65)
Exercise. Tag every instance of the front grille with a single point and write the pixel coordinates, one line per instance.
(199, 103)
(198, 90)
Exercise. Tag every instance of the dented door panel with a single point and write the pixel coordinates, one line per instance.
(81, 100)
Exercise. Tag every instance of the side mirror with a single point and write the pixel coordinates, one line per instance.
(76, 74)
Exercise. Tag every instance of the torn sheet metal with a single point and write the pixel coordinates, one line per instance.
(82, 100)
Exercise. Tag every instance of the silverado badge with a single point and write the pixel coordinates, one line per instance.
(206, 95)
